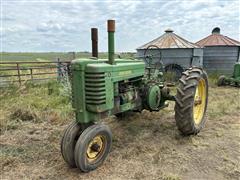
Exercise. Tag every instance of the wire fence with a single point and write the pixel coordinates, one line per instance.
(34, 71)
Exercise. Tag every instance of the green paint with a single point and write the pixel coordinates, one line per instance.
(96, 88)
(93, 85)
(153, 97)
(111, 47)
(236, 73)
(234, 80)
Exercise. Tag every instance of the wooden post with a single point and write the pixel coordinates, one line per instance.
(31, 72)
(58, 69)
(19, 76)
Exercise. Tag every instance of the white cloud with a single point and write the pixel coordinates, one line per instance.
(50, 26)
(65, 25)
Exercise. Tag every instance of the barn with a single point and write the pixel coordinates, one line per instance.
(220, 52)
(176, 52)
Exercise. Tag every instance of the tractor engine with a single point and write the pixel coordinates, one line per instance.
(129, 91)
(145, 94)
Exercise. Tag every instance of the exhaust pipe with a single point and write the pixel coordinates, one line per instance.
(111, 30)
(94, 37)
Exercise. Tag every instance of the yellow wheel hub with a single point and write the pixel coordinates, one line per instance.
(96, 147)
(199, 101)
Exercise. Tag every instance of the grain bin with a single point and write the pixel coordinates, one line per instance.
(220, 52)
(176, 52)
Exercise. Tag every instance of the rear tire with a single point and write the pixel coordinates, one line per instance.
(221, 80)
(191, 101)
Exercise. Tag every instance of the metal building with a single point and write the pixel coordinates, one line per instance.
(220, 52)
(176, 52)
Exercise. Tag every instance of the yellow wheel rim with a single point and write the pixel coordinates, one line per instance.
(95, 147)
(199, 101)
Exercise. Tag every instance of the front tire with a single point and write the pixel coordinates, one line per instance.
(191, 101)
(68, 142)
(92, 147)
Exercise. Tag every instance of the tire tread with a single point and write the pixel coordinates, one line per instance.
(185, 101)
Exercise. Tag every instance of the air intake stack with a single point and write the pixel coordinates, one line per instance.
(111, 30)
(94, 37)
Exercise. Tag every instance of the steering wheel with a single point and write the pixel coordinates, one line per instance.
(149, 55)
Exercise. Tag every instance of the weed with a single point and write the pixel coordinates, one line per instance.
(170, 177)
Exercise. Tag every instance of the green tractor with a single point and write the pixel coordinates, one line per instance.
(232, 81)
(106, 87)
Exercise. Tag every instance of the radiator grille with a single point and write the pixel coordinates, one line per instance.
(95, 88)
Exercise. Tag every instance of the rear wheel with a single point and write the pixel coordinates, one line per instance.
(92, 147)
(191, 101)
(221, 80)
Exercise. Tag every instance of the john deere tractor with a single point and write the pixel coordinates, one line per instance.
(105, 87)
(234, 80)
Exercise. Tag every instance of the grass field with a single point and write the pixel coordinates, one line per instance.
(52, 56)
(145, 146)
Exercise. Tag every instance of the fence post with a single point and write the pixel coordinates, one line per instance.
(19, 76)
(31, 72)
(58, 69)
(69, 69)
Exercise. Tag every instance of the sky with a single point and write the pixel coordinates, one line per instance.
(64, 25)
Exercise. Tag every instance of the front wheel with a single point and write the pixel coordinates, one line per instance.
(92, 147)
(191, 101)
(68, 142)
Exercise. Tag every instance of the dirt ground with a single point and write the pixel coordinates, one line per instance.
(145, 146)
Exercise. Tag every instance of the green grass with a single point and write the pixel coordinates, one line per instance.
(5, 56)
(213, 78)
(52, 56)
(35, 103)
